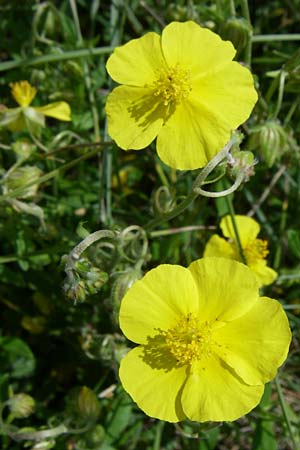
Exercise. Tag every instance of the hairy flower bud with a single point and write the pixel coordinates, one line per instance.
(270, 141)
(88, 404)
(22, 177)
(21, 405)
(238, 31)
(241, 162)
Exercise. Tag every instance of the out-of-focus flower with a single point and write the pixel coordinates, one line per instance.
(255, 250)
(181, 87)
(207, 342)
(27, 116)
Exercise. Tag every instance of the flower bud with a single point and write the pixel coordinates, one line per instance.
(238, 31)
(95, 437)
(270, 140)
(21, 405)
(241, 162)
(21, 177)
(88, 404)
(120, 287)
(23, 149)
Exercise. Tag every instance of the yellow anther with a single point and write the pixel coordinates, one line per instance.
(173, 85)
(256, 250)
(189, 340)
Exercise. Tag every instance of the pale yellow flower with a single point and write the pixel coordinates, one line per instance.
(31, 117)
(255, 250)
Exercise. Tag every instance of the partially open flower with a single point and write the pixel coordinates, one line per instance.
(31, 117)
(255, 250)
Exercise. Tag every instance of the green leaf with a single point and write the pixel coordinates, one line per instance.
(16, 357)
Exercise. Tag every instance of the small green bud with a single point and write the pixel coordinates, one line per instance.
(21, 177)
(95, 436)
(88, 404)
(241, 162)
(75, 290)
(270, 141)
(21, 405)
(121, 286)
(23, 149)
(238, 31)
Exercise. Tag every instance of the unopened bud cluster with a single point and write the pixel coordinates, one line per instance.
(84, 279)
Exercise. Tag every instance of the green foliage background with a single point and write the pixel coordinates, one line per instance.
(50, 345)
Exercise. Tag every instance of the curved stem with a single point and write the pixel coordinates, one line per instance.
(89, 240)
(212, 164)
(223, 193)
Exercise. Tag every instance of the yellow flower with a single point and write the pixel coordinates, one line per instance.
(255, 250)
(181, 87)
(208, 342)
(32, 117)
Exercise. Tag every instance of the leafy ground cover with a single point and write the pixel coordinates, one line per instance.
(60, 341)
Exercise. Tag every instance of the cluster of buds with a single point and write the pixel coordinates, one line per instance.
(83, 279)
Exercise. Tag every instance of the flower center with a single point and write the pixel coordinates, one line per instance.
(189, 340)
(256, 250)
(173, 85)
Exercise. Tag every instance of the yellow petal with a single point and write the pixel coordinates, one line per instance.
(227, 288)
(23, 92)
(247, 227)
(134, 117)
(138, 62)
(58, 110)
(158, 300)
(156, 391)
(191, 136)
(214, 393)
(264, 274)
(196, 48)
(256, 344)
(217, 246)
(229, 93)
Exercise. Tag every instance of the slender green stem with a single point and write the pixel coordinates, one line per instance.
(74, 54)
(223, 193)
(248, 49)
(232, 8)
(285, 413)
(275, 37)
(48, 176)
(86, 74)
(171, 214)
(200, 180)
(158, 435)
(89, 240)
(282, 76)
(245, 10)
